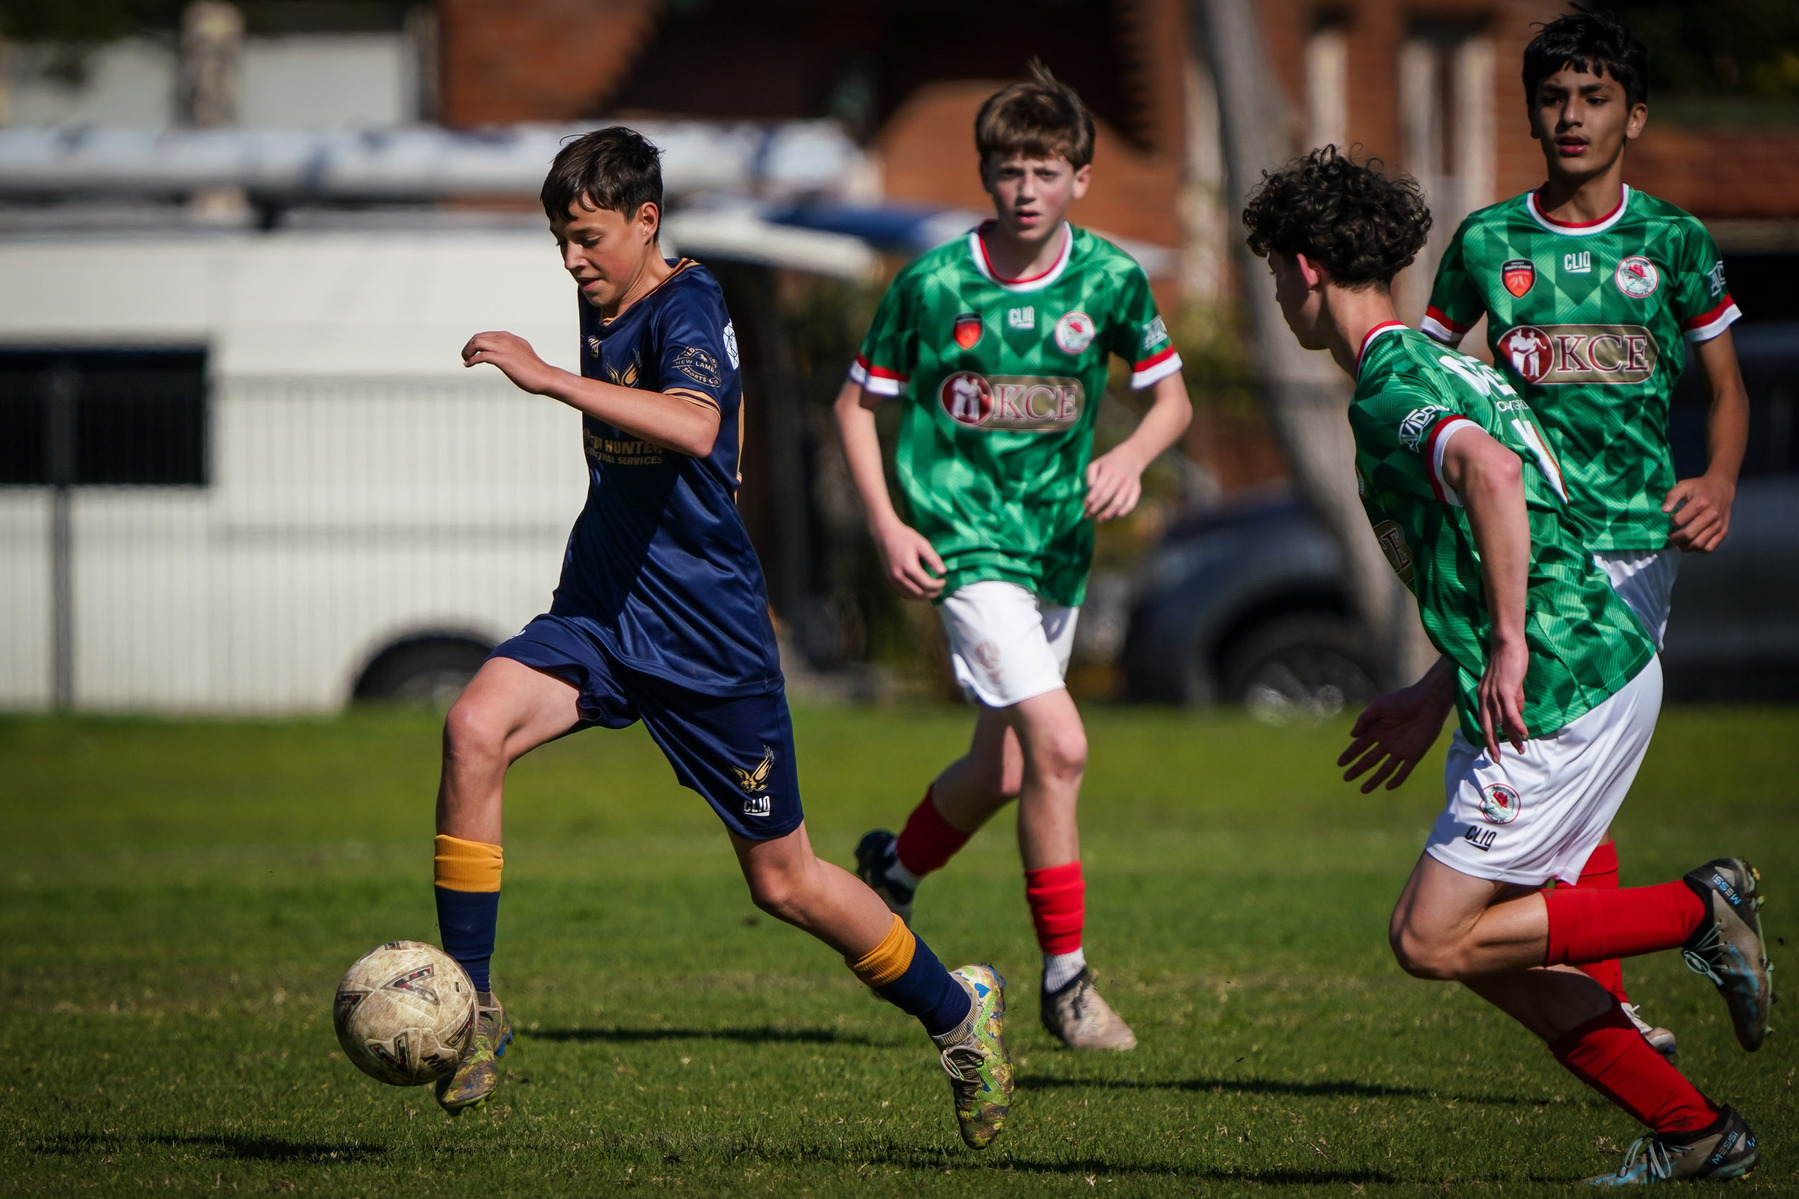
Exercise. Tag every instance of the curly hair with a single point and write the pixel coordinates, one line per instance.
(1361, 225)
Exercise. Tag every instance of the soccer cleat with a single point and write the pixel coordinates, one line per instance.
(1720, 1153)
(1660, 1039)
(1727, 946)
(974, 1056)
(876, 854)
(476, 1075)
(1080, 1019)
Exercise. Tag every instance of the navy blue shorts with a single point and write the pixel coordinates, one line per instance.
(737, 751)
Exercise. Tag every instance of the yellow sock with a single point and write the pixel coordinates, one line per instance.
(888, 960)
(468, 865)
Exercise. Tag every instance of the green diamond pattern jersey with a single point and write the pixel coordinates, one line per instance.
(1412, 397)
(1001, 380)
(1588, 321)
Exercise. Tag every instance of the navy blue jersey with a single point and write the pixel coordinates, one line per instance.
(659, 564)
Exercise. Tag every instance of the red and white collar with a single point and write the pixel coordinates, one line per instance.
(1578, 228)
(977, 250)
(1369, 337)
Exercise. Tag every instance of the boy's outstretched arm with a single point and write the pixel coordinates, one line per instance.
(913, 567)
(1489, 479)
(1115, 478)
(672, 422)
(1393, 733)
(1704, 502)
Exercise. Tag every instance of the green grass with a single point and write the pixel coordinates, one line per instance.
(180, 899)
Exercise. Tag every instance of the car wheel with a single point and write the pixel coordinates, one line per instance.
(423, 670)
(1306, 667)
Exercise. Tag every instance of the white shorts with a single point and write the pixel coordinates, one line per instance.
(1006, 645)
(1533, 817)
(1645, 581)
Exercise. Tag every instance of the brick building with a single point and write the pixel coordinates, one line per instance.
(1429, 85)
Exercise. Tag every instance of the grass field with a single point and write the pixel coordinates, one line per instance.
(185, 895)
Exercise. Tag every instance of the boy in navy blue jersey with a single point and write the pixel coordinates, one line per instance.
(662, 616)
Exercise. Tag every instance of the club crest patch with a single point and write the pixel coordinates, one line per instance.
(1637, 277)
(593, 345)
(1500, 803)
(1075, 332)
(699, 366)
(968, 330)
(1518, 275)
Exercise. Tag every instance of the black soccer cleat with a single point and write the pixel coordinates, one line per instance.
(1720, 1153)
(1727, 946)
(876, 854)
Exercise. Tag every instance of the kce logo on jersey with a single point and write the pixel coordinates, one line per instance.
(1012, 403)
(1558, 354)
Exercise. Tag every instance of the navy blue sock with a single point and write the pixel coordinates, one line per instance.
(465, 921)
(927, 991)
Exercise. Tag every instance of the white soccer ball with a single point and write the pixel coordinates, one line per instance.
(404, 1012)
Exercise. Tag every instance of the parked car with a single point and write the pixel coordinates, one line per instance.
(1248, 604)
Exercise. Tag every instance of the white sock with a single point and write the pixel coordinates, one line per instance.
(902, 876)
(1060, 969)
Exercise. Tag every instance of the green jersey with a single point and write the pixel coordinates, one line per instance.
(1587, 321)
(1412, 397)
(1001, 379)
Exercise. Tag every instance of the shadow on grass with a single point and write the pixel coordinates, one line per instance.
(743, 1036)
(1343, 1088)
(240, 1148)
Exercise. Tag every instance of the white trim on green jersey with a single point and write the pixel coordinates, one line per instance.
(1578, 228)
(977, 250)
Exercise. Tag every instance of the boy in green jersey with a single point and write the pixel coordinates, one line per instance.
(1591, 291)
(997, 345)
(1556, 681)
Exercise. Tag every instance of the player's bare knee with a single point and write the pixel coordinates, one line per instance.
(779, 891)
(1424, 957)
(1060, 755)
(473, 732)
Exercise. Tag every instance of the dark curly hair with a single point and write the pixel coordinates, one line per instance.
(1361, 225)
(1597, 43)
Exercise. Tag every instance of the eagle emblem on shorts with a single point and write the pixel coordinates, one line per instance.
(755, 780)
(1500, 803)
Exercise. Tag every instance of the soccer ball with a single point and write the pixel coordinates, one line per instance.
(404, 1012)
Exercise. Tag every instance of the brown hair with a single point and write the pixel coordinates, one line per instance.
(1039, 117)
(615, 167)
(1359, 223)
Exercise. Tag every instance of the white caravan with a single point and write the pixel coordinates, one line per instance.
(339, 503)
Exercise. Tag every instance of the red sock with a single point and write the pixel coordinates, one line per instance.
(928, 840)
(1591, 926)
(1058, 899)
(1601, 874)
(1611, 1056)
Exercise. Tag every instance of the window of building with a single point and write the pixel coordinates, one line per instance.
(103, 417)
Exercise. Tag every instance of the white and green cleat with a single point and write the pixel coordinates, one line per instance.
(975, 1058)
(477, 1072)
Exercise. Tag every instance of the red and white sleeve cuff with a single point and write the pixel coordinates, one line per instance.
(1435, 442)
(876, 380)
(1708, 325)
(1437, 326)
(1155, 368)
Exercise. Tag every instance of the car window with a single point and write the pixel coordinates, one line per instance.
(1769, 355)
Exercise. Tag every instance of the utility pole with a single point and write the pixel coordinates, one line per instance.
(59, 385)
(1306, 396)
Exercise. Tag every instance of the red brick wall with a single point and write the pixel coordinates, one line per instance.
(542, 60)
(1719, 173)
